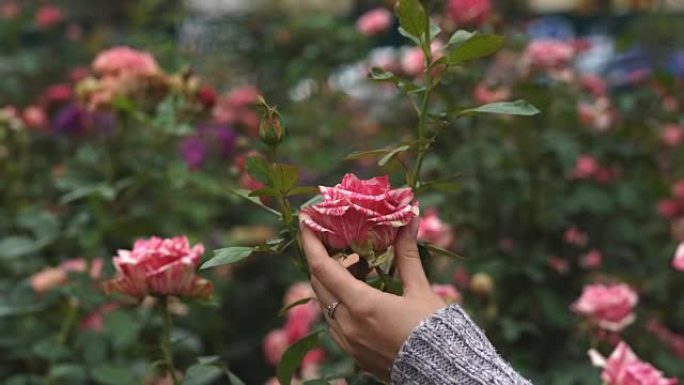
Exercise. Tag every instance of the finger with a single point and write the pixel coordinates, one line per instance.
(336, 279)
(325, 298)
(339, 339)
(408, 262)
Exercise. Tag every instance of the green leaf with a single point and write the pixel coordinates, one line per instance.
(317, 382)
(284, 177)
(413, 19)
(201, 374)
(70, 373)
(43, 224)
(259, 169)
(242, 193)
(114, 375)
(407, 35)
(475, 47)
(434, 31)
(287, 308)
(303, 190)
(438, 250)
(459, 37)
(209, 360)
(122, 329)
(234, 380)
(366, 154)
(518, 107)
(228, 256)
(379, 74)
(16, 246)
(385, 159)
(264, 192)
(293, 357)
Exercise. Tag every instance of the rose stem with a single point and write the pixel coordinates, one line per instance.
(166, 339)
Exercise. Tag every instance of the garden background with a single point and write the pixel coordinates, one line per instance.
(590, 190)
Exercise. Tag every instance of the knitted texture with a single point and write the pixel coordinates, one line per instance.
(449, 349)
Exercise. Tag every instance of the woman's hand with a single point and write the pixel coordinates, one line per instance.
(368, 324)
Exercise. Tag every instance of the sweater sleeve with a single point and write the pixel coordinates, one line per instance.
(448, 348)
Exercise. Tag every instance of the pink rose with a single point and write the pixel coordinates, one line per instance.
(623, 367)
(678, 189)
(35, 117)
(274, 345)
(678, 261)
(549, 54)
(433, 230)
(591, 260)
(95, 320)
(672, 135)
(300, 321)
(374, 22)
(669, 208)
(485, 95)
(363, 215)
(413, 59)
(48, 16)
(599, 114)
(9, 10)
(51, 277)
(298, 291)
(58, 93)
(470, 12)
(610, 305)
(159, 267)
(461, 277)
(594, 85)
(447, 293)
(575, 236)
(125, 61)
(558, 264)
(586, 167)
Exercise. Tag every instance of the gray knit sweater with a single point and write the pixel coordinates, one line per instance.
(448, 348)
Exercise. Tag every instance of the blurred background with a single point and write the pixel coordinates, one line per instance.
(588, 191)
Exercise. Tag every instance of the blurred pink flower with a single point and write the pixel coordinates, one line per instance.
(669, 208)
(95, 320)
(549, 54)
(159, 267)
(447, 293)
(125, 61)
(485, 95)
(58, 93)
(591, 260)
(374, 22)
(413, 59)
(300, 320)
(623, 367)
(672, 135)
(586, 167)
(469, 12)
(52, 277)
(48, 16)
(9, 10)
(558, 264)
(594, 85)
(274, 345)
(363, 215)
(668, 337)
(670, 103)
(79, 73)
(575, 236)
(678, 261)
(611, 306)
(678, 189)
(461, 277)
(35, 117)
(599, 114)
(298, 291)
(433, 230)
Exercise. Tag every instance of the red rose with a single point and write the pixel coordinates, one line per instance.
(363, 215)
(159, 267)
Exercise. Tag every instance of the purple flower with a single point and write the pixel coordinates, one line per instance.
(70, 120)
(194, 151)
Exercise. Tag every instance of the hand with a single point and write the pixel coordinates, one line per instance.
(368, 324)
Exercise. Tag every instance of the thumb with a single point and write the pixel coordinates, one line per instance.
(408, 261)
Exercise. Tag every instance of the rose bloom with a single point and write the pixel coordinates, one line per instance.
(447, 293)
(52, 277)
(669, 208)
(374, 22)
(484, 94)
(413, 59)
(274, 345)
(623, 367)
(678, 189)
(558, 264)
(610, 305)
(124, 61)
(672, 135)
(470, 12)
(461, 277)
(594, 85)
(95, 320)
(433, 230)
(678, 261)
(35, 117)
(159, 267)
(9, 10)
(549, 54)
(363, 215)
(591, 260)
(575, 236)
(599, 115)
(48, 16)
(586, 167)
(58, 93)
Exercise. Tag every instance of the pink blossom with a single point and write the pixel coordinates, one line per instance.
(159, 267)
(58, 93)
(313, 358)
(594, 85)
(549, 54)
(52, 277)
(673, 340)
(298, 291)
(485, 95)
(242, 97)
(560, 265)
(586, 167)
(413, 59)
(9, 10)
(672, 135)
(469, 12)
(374, 22)
(591, 260)
(433, 230)
(79, 73)
(461, 277)
(35, 117)
(274, 345)
(300, 320)
(363, 215)
(125, 61)
(670, 104)
(575, 236)
(669, 208)
(48, 16)
(95, 320)
(623, 367)
(678, 261)
(611, 306)
(599, 114)
(447, 293)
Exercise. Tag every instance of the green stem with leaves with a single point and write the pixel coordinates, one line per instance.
(414, 180)
(165, 343)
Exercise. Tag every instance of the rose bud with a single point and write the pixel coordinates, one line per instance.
(482, 284)
(271, 129)
(361, 215)
(159, 267)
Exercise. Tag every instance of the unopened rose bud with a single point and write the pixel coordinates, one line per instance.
(271, 129)
(482, 284)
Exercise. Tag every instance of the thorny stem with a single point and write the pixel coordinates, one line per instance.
(165, 343)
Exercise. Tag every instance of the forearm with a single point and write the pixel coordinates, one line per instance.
(449, 349)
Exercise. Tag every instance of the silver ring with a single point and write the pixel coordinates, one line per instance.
(330, 309)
